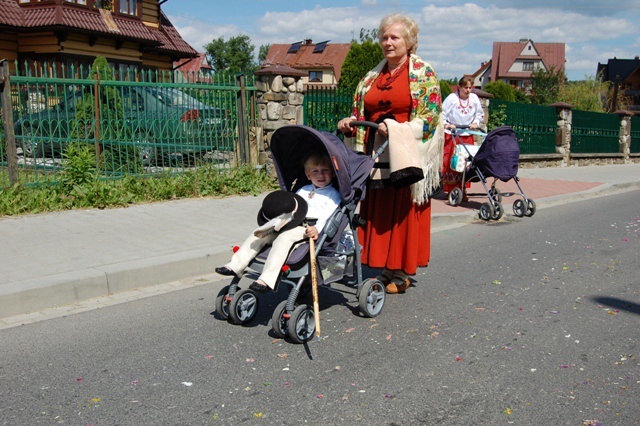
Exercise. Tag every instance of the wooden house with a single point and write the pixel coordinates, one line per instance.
(625, 75)
(134, 35)
(322, 62)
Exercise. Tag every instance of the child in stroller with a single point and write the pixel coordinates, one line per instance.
(337, 247)
(280, 220)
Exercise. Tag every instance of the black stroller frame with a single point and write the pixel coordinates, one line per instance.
(289, 145)
(499, 162)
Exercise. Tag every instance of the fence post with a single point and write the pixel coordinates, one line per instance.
(625, 134)
(563, 132)
(96, 115)
(242, 121)
(7, 118)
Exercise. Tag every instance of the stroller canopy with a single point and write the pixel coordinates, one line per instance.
(291, 145)
(499, 154)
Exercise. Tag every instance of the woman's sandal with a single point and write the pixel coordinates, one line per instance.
(384, 278)
(397, 285)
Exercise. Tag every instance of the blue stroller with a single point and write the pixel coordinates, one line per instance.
(337, 248)
(498, 156)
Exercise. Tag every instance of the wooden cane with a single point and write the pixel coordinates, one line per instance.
(314, 285)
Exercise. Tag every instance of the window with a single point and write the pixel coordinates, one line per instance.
(103, 4)
(527, 66)
(129, 7)
(315, 76)
(83, 2)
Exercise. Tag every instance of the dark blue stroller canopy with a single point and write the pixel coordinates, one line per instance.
(499, 154)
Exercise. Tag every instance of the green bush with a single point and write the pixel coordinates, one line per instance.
(500, 90)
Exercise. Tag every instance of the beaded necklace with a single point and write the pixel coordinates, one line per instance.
(384, 81)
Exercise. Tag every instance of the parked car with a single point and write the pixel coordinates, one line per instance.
(158, 121)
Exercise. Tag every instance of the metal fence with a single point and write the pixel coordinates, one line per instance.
(593, 132)
(535, 126)
(324, 107)
(144, 126)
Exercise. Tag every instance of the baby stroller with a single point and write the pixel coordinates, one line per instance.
(337, 247)
(498, 156)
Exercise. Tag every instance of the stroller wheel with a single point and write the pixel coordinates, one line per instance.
(222, 303)
(302, 324)
(371, 299)
(455, 196)
(519, 208)
(498, 211)
(495, 194)
(531, 208)
(486, 211)
(243, 307)
(280, 324)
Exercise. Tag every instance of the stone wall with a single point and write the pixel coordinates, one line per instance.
(279, 99)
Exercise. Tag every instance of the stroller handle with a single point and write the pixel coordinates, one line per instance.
(373, 126)
(365, 124)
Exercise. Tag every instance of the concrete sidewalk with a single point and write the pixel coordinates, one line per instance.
(63, 258)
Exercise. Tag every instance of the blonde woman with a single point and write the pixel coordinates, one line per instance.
(405, 89)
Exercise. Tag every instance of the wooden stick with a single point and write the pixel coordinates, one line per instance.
(314, 285)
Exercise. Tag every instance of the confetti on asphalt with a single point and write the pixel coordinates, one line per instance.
(349, 330)
(258, 415)
(506, 411)
(250, 360)
(283, 355)
(208, 356)
(187, 383)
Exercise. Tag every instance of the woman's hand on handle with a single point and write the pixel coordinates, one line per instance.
(344, 125)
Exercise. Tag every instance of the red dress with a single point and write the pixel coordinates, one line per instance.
(397, 234)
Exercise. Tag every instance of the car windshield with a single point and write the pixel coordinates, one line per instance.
(174, 97)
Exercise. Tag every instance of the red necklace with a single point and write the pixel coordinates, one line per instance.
(386, 78)
(461, 104)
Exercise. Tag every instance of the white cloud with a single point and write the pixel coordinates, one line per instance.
(455, 39)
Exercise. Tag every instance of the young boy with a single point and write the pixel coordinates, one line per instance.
(282, 229)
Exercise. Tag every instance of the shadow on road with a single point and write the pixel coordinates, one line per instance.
(621, 304)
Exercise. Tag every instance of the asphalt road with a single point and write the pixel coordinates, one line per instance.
(522, 321)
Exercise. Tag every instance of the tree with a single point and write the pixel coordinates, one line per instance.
(445, 88)
(262, 53)
(361, 58)
(586, 95)
(545, 85)
(233, 55)
(500, 90)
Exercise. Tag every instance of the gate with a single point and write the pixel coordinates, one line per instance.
(594, 132)
(535, 125)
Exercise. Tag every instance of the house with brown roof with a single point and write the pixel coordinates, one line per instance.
(322, 62)
(514, 62)
(134, 35)
(625, 75)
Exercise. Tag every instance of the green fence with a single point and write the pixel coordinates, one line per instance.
(324, 107)
(635, 135)
(135, 127)
(535, 126)
(593, 132)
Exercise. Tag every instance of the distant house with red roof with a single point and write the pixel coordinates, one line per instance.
(193, 70)
(513, 62)
(322, 62)
(134, 35)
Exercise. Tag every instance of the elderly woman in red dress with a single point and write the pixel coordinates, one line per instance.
(403, 87)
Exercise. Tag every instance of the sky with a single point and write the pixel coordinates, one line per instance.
(455, 36)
